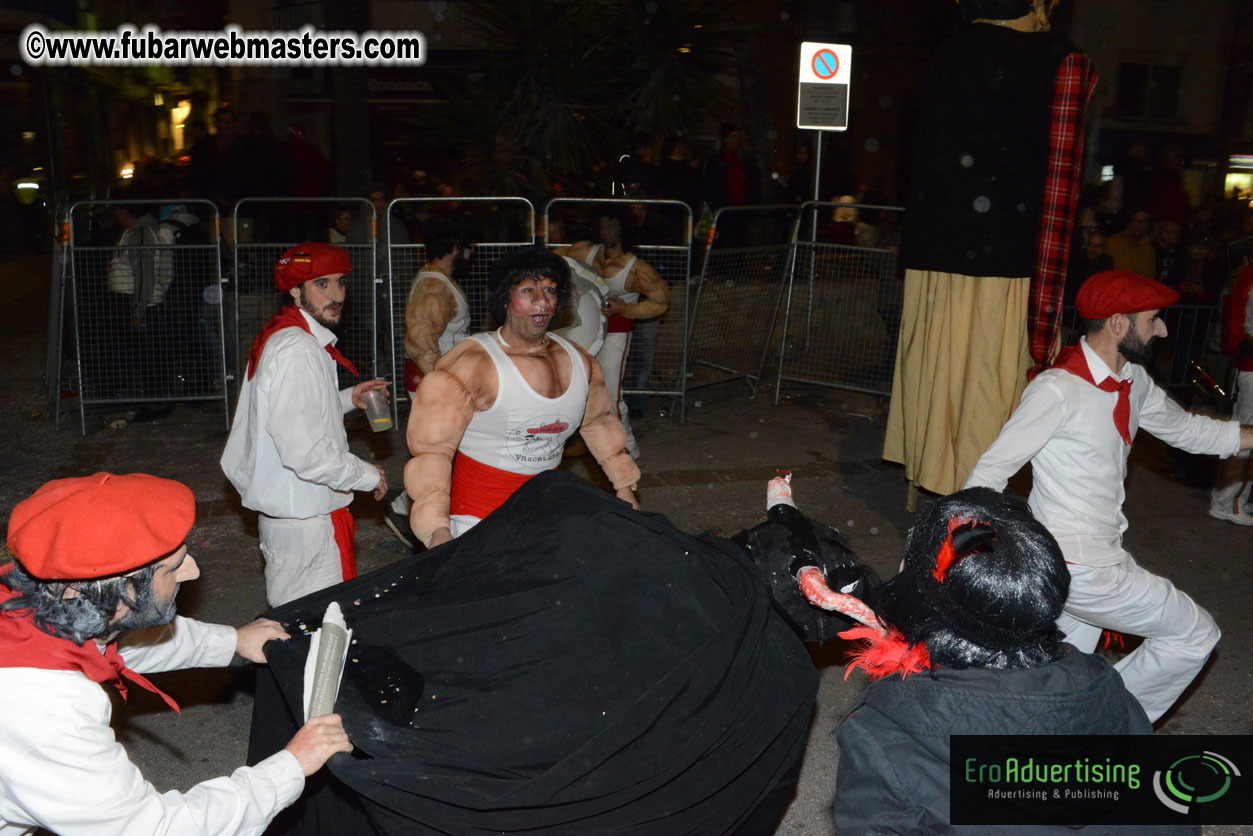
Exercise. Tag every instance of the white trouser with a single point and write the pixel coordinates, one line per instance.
(1231, 472)
(1178, 635)
(301, 556)
(612, 359)
(459, 524)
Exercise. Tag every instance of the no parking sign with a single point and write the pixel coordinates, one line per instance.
(822, 95)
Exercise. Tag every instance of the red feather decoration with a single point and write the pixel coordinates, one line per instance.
(881, 656)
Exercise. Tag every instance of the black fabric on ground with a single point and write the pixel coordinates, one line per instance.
(587, 670)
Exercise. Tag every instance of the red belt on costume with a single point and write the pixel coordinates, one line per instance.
(619, 324)
(479, 489)
(413, 376)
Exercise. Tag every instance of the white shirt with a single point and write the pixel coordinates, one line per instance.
(287, 453)
(1065, 427)
(587, 326)
(61, 768)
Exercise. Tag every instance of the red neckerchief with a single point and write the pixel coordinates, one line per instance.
(289, 317)
(23, 645)
(1071, 359)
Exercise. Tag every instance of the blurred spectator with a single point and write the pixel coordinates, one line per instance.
(1233, 490)
(1086, 261)
(264, 169)
(1198, 278)
(678, 175)
(313, 169)
(212, 173)
(313, 173)
(341, 222)
(1167, 199)
(1166, 237)
(731, 176)
(391, 230)
(1131, 249)
(799, 186)
(1240, 247)
(637, 173)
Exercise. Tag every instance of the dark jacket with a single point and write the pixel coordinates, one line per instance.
(714, 180)
(894, 746)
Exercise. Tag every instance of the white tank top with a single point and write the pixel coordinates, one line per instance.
(587, 330)
(524, 432)
(457, 328)
(617, 282)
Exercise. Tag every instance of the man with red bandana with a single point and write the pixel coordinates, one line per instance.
(1075, 424)
(499, 407)
(88, 599)
(287, 453)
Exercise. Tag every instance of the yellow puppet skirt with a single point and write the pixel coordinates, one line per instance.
(961, 366)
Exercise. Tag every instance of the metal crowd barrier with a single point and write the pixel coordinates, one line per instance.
(170, 349)
(503, 224)
(657, 358)
(842, 310)
(735, 301)
(261, 230)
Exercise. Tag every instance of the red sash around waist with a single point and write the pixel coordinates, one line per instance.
(619, 324)
(345, 538)
(479, 489)
(413, 376)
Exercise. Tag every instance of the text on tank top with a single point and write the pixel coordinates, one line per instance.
(523, 431)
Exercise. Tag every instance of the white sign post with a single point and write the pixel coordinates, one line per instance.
(826, 71)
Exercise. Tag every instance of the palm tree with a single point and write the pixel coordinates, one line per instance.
(566, 81)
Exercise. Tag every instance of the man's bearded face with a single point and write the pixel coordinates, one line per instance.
(155, 602)
(1135, 348)
(323, 299)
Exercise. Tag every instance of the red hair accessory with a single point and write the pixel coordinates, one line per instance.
(881, 655)
(965, 537)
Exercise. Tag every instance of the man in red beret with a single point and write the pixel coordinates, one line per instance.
(1075, 424)
(95, 559)
(287, 453)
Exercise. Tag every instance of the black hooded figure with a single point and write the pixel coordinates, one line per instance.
(971, 648)
(568, 666)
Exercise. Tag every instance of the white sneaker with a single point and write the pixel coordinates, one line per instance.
(1225, 512)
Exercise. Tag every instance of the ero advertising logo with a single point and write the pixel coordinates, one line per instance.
(1075, 780)
(1194, 779)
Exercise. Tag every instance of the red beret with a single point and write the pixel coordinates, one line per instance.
(309, 261)
(1112, 292)
(100, 525)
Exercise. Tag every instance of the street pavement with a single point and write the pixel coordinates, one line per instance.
(708, 473)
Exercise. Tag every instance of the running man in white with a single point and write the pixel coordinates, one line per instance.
(437, 317)
(636, 291)
(1075, 424)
